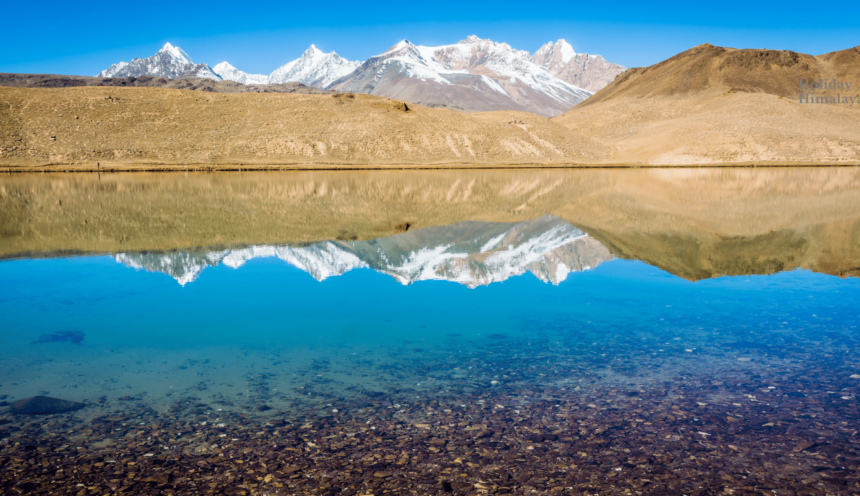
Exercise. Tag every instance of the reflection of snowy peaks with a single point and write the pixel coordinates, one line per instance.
(470, 253)
(180, 265)
(480, 253)
(321, 260)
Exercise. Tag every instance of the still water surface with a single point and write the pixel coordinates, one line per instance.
(613, 296)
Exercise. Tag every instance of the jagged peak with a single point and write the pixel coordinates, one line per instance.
(313, 50)
(402, 44)
(224, 65)
(176, 52)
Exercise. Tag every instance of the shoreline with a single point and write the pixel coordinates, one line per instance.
(116, 168)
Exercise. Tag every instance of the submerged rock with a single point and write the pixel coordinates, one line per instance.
(43, 405)
(74, 337)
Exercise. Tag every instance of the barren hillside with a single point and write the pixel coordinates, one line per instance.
(715, 105)
(76, 128)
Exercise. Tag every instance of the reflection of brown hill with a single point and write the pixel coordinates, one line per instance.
(703, 257)
(721, 105)
(693, 223)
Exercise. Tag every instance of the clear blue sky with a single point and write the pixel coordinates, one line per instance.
(85, 37)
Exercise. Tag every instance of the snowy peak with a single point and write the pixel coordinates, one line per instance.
(553, 55)
(230, 73)
(176, 52)
(591, 72)
(314, 68)
(400, 46)
(169, 62)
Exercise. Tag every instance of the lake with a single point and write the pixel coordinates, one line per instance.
(600, 331)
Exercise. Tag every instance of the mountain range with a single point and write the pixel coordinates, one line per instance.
(473, 75)
(469, 253)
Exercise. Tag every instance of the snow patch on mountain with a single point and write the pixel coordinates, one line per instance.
(230, 73)
(314, 68)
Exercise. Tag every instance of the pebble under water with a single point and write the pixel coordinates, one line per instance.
(472, 358)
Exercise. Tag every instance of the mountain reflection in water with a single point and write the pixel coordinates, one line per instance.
(708, 343)
(470, 253)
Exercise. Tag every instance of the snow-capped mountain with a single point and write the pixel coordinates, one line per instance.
(591, 72)
(314, 68)
(474, 74)
(230, 73)
(470, 253)
(170, 62)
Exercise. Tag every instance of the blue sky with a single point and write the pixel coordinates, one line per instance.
(86, 37)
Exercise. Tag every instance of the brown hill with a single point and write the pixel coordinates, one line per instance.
(76, 128)
(722, 105)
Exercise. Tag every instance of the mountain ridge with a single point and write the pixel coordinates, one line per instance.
(472, 75)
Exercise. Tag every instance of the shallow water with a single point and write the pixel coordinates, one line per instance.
(673, 332)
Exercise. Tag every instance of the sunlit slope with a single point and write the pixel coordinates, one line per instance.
(692, 223)
(76, 128)
(715, 105)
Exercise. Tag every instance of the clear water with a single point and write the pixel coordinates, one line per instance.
(148, 337)
(456, 316)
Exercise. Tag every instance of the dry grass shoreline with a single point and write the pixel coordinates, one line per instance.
(298, 167)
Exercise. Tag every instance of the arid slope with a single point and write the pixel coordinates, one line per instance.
(76, 128)
(714, 105)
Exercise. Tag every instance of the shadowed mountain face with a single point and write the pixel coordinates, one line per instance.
(695, 224)
(470, 253)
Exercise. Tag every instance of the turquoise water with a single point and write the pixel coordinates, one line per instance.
(521, 357)
(147, 336)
